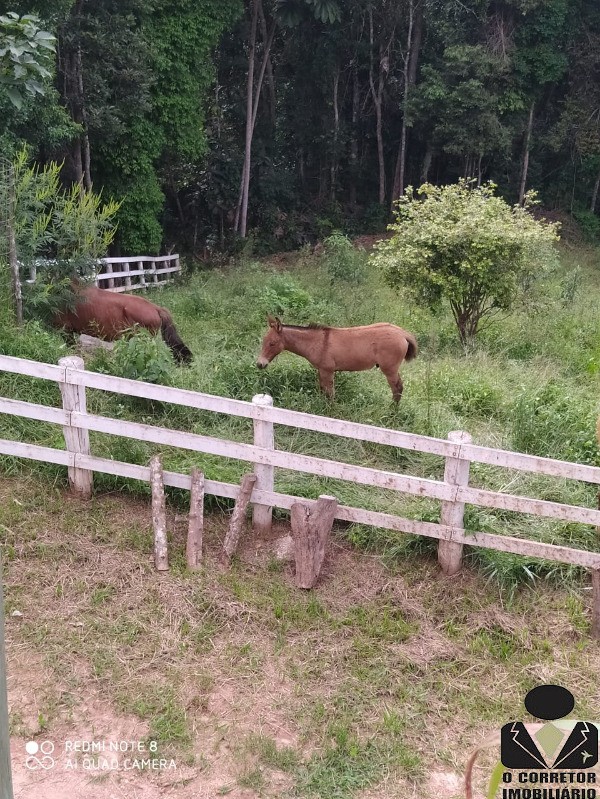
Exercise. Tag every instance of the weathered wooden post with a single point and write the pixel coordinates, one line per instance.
(237, 519)
(6, 789)
(262, 515)
(109, 269)
(127, 276)
(311, 525)
(456, 472)
(159, 514)
(196, 521)
(595, 631)
(77, 439)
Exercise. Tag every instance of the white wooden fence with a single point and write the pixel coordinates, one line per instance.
(130, 273)
(137, 272)
(453, 491)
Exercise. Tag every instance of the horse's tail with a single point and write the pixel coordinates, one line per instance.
(172, 339)
(413, 348)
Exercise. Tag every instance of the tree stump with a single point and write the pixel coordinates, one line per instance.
(196, 520)
(311, 525)
(159, 515)
(237, 520)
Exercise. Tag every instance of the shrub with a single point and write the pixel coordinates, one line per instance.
(342, 259)
(466, 246)
(283, 295)
(142, 356)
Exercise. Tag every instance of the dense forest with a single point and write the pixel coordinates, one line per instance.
(281, 120)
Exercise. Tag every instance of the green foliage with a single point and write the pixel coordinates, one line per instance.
(343, 260)
(282, 295)
(142, 356)
(26, 54)
(465, 245)
(73, 226)
(552, 422)
(588, 222)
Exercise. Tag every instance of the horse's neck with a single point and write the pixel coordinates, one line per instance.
(301, 341)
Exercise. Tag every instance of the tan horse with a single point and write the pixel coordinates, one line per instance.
(107, 314)
(342, 349)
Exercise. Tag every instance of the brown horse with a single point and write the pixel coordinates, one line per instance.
(342, 349)
(106, 314)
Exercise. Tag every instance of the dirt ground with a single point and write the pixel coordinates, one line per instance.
(244, 684)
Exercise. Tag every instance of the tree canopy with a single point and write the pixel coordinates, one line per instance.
(283, 120)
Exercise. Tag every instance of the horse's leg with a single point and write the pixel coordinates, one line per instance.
(326, 382)
(395, 383)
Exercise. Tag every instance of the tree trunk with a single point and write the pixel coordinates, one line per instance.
(336, 130)
(354, 137)
(411, 60)
(427, 159)
(595, 194)
(525, 165)
(85, 142)
(270, 76)
(252, 99)
(12, 248)
(376, 94)
(242, 209)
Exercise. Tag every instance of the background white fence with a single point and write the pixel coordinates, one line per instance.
(137, 272)
(453, 491)
(130, 273)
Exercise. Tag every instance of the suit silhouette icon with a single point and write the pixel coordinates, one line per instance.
(551, 747)
(520, 750)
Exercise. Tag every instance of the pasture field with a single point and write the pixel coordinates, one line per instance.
(377, 683)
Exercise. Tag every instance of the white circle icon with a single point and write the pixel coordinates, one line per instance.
(31, 747)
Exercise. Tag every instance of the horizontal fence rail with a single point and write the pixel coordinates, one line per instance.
(137, 272)
(453, 491)
(128, 273)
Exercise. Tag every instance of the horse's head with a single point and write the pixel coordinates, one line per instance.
(272, 343)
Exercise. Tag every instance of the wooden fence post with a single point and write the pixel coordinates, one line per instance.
(109, 269)
(159, 514)
(6, 789)
(311, 526)
(456, 472)
(237, 519)
(127, 276)
(595, 631)
(196, 521)
(77, 439)
(262, 515)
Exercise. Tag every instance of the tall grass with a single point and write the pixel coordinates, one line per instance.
(530, 384)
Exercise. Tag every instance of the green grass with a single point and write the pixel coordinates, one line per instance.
(530, 384)
(254, 684)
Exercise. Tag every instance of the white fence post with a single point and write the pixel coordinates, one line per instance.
(77, 439)
(262, 515)
(456, 472)
(6, 790)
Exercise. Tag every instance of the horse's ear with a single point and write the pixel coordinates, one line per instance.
(278, 324)
(274, 322)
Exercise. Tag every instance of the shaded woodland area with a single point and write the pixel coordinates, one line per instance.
(282, 120)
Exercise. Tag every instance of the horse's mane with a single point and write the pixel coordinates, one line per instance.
(311, 326)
